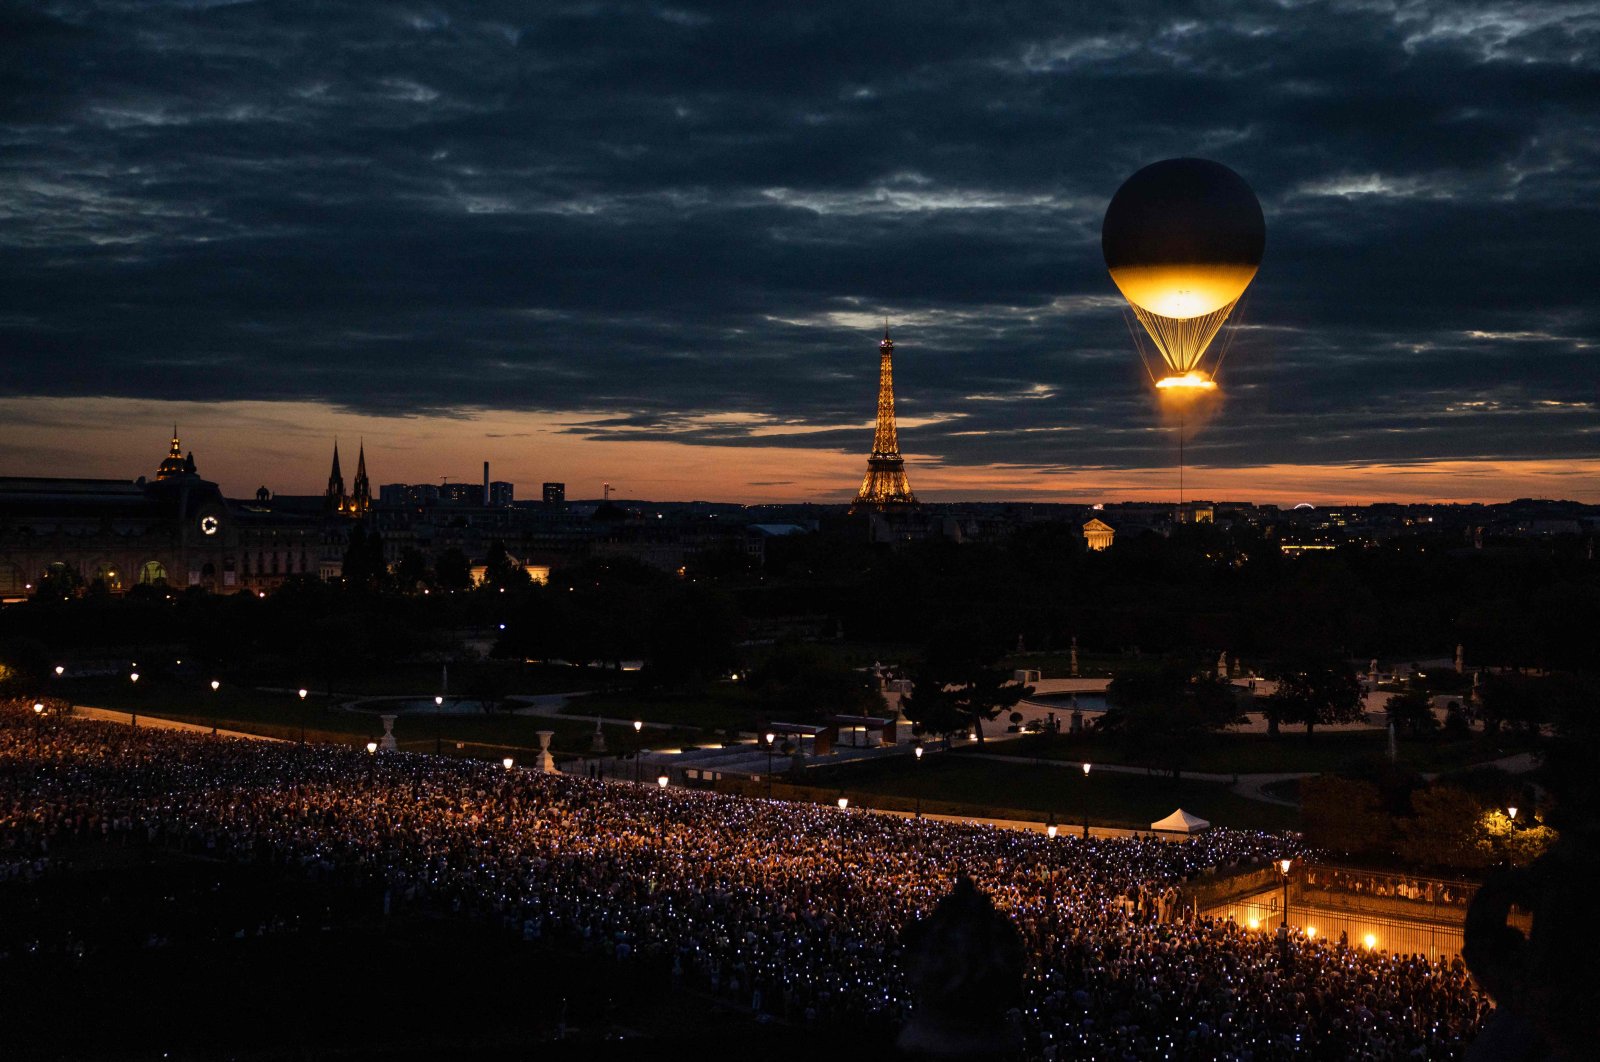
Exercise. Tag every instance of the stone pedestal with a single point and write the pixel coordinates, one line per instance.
(599, 742)
(547, 762)
(386, 743)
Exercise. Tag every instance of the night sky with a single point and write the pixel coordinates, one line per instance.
(654, 243)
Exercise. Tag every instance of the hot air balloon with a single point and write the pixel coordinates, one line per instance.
(1183, 239)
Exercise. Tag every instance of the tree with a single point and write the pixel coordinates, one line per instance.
(364, 566)
(451, 571)
(1445, 828)
(1164, 714)
(1411, 713)
(1316, 693)
(691, 635)
(802, 683)
(411, 570)
(489, 684)
(1344, 814)
(501, 571)
(59, 582)
(958, 684)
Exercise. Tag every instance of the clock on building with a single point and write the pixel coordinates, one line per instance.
(209, 524)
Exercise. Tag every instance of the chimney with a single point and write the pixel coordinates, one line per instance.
(486, 483)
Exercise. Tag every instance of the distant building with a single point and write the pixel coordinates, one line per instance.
(501, 493)
(176, 531)
(555, 493)
(461, 494)
(359, 500)
(1098, 534)
(407, 495)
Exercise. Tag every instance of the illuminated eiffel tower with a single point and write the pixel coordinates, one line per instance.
(885, 483)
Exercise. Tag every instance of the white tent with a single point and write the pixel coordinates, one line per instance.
(1181, 821)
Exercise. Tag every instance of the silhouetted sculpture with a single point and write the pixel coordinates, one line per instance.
(964, 962)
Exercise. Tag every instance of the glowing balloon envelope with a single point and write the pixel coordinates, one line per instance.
(1182, 239)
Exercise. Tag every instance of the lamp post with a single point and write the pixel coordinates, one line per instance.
(508, 763)
(917, 754)
(771, 737)
(302, 693)
(662, 781)
(60, 671)
(215, 685)
(133, 715)
(1050, 829)
(638, 753)
(1283, 926)
(38, 722)
(438, 725)
(1086, 767)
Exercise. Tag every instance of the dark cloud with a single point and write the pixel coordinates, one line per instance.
(683, 220)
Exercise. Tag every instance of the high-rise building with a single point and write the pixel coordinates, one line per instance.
(555, 493)
(501, 493)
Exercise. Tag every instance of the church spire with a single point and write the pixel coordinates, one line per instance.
(335, 495)
(361, 490)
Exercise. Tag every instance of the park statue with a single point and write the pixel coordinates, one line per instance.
(547, 762)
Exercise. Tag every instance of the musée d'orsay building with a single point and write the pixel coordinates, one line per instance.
(174, 531)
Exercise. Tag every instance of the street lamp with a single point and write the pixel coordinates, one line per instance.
(438, 725)
(372, 748)
(60, 671)
(1050, 830)
(133, 715)
(38, 720)
(508, 763)
(662, 781)
(215, 685)
(1086, 767)
(302, 693)
(771, 737)
(1283, 927)
(844, 803)
(917, 752)
(1513, 810)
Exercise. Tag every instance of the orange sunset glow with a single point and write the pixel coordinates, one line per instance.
(286, 447)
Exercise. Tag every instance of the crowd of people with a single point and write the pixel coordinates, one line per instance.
(1389, 886)
(792, 910)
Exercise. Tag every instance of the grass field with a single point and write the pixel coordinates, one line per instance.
(1110, 798)
(283, 715)
(1292, 751)
(719, 707)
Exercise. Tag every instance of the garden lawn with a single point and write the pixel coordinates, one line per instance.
(1291, 752)
(1111, 798)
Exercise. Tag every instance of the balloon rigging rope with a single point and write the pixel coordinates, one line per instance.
(1138, 344)
(1233, 331)
(1183, 341)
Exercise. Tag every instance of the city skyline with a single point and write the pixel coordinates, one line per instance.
(655, 246)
